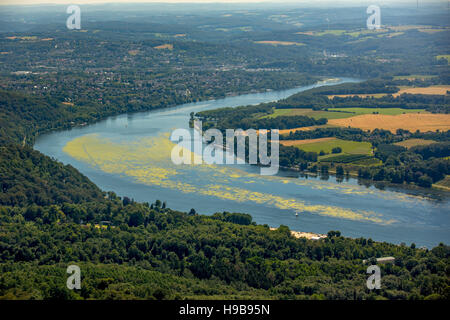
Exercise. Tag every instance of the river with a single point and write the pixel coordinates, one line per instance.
(130, 155)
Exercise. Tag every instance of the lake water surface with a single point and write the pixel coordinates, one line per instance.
(130, 155)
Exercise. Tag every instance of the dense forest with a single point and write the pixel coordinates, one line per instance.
(24, 180)
(147, 251)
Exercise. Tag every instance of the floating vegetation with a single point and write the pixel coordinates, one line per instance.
(147, 161)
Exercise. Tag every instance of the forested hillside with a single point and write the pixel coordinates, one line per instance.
(131, 250)
(28, 177)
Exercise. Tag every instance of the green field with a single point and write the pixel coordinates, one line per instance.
(368, 162)
(347, 158)
(348, 147)
(309, 113)
(385, 111)
(330, 115)
(332, 32)
(339, 113)
(414, 77)
(364, 32)
(414, 142)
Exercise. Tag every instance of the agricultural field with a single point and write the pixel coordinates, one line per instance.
(347, 158)
(287, 131)
(367, 162)
(309, 113)
(364, 34)
(408, 121)
(415, 77)
(352, 33)
(414, 142)
(165, 46)
(340, 113)
(385, 111)
(331, 32)
(441, 90)
(327, 144)
(410, 27)
(289, 143)
(280, 43)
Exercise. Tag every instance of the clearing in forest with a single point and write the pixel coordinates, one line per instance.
(281, 43)
(164, 46)
(326, 145)
(414, 142)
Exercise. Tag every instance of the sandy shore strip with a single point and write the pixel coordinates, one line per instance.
(307, 235)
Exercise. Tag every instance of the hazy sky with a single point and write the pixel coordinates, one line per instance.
(309, 2)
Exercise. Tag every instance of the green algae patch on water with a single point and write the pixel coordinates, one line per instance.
(148, 161)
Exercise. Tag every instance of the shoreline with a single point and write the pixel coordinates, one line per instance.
(404, 187)
(306, 235)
